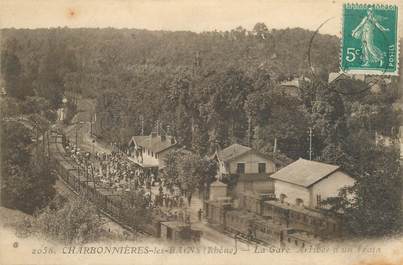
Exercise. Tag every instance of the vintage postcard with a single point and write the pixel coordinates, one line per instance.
(201, 132)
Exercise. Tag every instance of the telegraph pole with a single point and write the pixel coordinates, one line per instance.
(249, 131)
(78, 123)
(142, 124)
(76, 136)
(275, 145)
(43, 145)
(47, 137)
(91, 125)
(310, 143)
(37, 137)
(93, 146)
(196, 63)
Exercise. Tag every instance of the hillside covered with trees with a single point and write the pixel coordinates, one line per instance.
(212, 89)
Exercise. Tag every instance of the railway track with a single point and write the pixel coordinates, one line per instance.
(57, 154)
(101, 201)
(60, 157)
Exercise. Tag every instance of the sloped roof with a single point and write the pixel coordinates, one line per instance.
(304, 172)
(154, 143)
(140, 139)
(158, 145)
(236, 150)
(232, 151)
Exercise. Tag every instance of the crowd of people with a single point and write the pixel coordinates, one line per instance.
(168, 200)
(81, 159)
(115, 172)
(111, 171)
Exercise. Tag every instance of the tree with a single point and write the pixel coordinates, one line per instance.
(136, 207)
(27, 180)
(187, 171)
(328, 116)
(183, 128)
(15, 144)
(337, 154)
(27, 188)
(181, 102)
(258, 107)
(372, 206)
(200, 139)
(194, 172)
(238, 33)
(10, 107)
(71, 221)
(261, 31)
(223, 109)
(189, 177)
(171, 170)
(53, 68)
(37, 105)
(12, 72)
(286, 124)
(111, 107)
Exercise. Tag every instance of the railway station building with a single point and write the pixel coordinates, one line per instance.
(149, 151)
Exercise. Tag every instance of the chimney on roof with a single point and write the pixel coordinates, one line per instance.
(172, 140)
(163, 137)
(154, 135)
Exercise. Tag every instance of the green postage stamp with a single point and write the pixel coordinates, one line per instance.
(370, 39)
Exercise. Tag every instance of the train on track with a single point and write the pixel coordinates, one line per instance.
(266, 221)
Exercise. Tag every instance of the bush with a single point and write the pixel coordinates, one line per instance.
(69, 221)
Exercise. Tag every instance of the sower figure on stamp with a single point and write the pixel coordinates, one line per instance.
(365, 32)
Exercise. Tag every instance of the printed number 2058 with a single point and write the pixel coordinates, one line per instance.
(44, 250)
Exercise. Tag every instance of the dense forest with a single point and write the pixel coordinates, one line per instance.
(156, 72)
(212, 89)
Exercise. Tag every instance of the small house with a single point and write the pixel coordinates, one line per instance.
(307, 183)
(251, 168)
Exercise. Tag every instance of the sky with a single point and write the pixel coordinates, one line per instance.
(193, 15)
